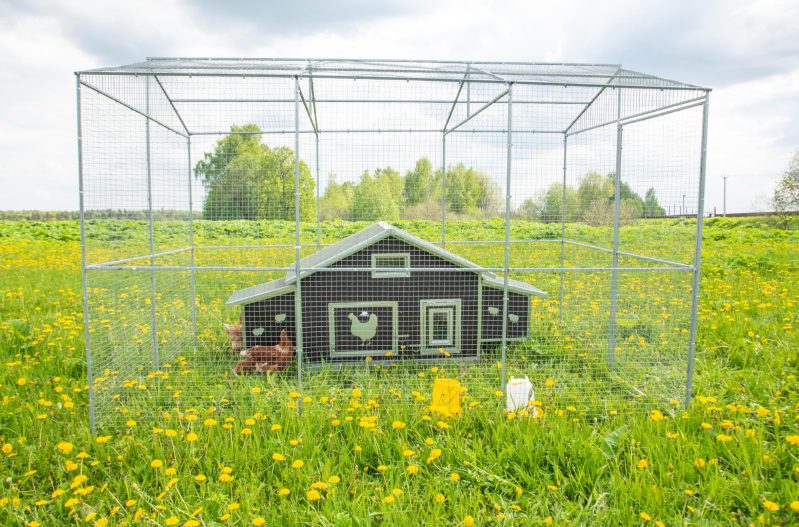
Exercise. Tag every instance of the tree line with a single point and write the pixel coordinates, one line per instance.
(593, 201)
(246, 179)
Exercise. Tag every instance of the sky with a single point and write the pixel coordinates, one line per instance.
(746, 51)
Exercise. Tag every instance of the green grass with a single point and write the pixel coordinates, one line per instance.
(726, 460)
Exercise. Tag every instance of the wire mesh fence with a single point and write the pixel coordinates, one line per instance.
(400, 229)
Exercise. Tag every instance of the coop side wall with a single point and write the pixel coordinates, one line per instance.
(273, 315)
(518, 305)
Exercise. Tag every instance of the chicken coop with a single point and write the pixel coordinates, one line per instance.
(257, 227)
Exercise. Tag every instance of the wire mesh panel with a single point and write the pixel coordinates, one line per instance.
(374, 236)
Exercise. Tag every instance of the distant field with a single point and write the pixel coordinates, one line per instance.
(350, 459)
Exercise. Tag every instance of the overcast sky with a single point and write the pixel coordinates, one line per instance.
(747, 51)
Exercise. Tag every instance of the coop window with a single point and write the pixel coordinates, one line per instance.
(440, 326)
(391, 265)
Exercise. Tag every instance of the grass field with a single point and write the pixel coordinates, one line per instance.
(731, 459)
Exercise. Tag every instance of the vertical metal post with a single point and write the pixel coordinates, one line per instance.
(700, 212)
(563, 234)
(614, 273)
(507, 240)
(724, 209)
(468, 91)
(297, 245)
(154, 295)
(84, 277)
(443, 190)
(318, 212)
(191, 251)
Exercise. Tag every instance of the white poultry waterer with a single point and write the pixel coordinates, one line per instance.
(518, 394)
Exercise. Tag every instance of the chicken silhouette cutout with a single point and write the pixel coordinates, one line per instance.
(363, 330)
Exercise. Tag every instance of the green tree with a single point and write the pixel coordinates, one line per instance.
(337, 199)
(373, 198)
(550, 204)
(245, 179)
(786, 193)
(468, 190)
(418, 183)
(652, 208)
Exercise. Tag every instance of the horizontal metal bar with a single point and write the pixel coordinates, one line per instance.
(142, 257)
(356, 77)
(674, 107)
(476, 112)
(664, 111)
(277, 246)
(369, 269)
(384, 60)
(373, 101)
(631, 255)
(131, 108)
(379, 131)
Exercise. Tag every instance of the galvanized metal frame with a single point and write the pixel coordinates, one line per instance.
(467, 74)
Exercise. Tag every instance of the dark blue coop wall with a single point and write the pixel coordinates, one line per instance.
(322, 288)
(518, 313)
(264, 319)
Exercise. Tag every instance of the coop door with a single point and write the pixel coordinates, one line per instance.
(360, 329)
(440, 326)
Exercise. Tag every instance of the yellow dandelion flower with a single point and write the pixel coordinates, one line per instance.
(793, 439)
(233, 506)
(412, 469)
(275, 427)
(643, 463)
(191, 437)
(356, 393)
(397, 425)
(434, 454)
(156, 463)
(258, 522)
(795, 505)
(65, 447)
(283, 492)
(333, 480)
(439, 498)
(313, 495)
(771, 506)
(278, 457)
(646, 517)
(468, 521)
(199, 478)
(723, 438)
(7, 448)
(389, 499)
(297, 463)
(172, 520)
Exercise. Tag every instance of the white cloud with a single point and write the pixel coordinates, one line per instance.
(746, 50)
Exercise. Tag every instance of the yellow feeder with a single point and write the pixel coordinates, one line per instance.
(446, 397)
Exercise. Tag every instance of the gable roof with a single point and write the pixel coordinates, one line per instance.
(331, 254)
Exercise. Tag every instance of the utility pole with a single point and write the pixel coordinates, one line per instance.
(683, 206)
(724, 208)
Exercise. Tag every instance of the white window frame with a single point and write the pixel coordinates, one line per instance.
(450, 306)
(391, 272)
